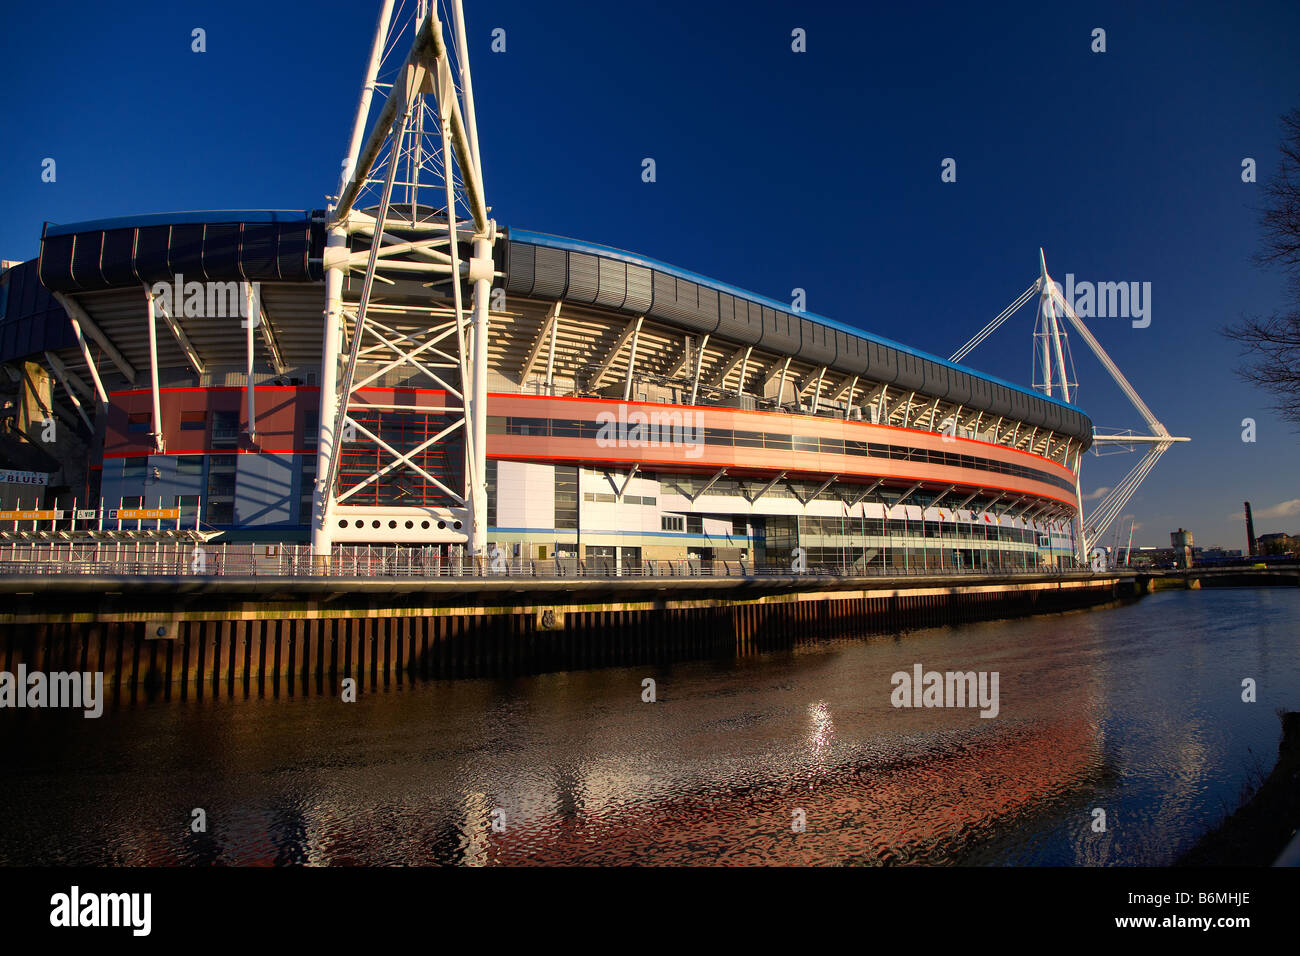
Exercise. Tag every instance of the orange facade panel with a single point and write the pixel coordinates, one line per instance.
(706, 438)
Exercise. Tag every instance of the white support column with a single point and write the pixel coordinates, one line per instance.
(248, 386)
(467, 86)
(550, 354)
(89, 360)
(744, 371)
(848, 404)
(156, 432)
(269, 338)
(1053, 347)
(817, 390)
(1081, 538)
(934, 412)
(633, 327)
(545, 333)
(367, 93)
(83, 321)
(181, 338)
(480, 274)
(322, 541)
(699, 363)
(631, 362)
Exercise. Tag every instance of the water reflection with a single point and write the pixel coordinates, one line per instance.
(1134, 709)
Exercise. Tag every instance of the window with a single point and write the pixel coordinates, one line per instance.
(672, 523)
(133, 501)
(310, 429)
(694, 524)
(134, 469)
(221, 490)
(220, 512)
(560, 428)
(139, 422)
(189, 466)
(806, 443)
(225, 429)
(739, 528)
(492, 493)
(194, 421)
(189, 505)
(306, 487)
(566, 498)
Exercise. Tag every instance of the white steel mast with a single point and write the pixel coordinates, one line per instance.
(1051, 351)
(408, 235)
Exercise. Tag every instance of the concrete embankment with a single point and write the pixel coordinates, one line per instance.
(191, 636)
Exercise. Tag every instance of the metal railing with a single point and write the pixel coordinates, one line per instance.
(358, 561)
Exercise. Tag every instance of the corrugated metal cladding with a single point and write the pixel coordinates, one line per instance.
(30, 320)
(551, 273)
(255, 251)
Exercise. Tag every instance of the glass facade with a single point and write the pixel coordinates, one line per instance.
(404, 431)
(566, 498)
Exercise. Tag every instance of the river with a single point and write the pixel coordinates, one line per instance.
(1131, 711)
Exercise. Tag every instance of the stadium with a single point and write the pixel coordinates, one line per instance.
(318, 376)
(779, 429)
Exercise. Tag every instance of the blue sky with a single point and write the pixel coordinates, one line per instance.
(775, 169)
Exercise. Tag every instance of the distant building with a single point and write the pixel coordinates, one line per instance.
(1216, 554)
(1155, 557)
(1278, 543)
(1181, 542)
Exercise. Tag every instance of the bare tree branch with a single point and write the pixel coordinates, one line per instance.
(1270, 346)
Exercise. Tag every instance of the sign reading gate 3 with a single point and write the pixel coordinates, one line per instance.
(142, 514)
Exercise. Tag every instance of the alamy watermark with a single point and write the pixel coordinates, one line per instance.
(129, 910)
(1108, 300)
(209, 300)
(36, 689)
(636, 428)
(922, 688)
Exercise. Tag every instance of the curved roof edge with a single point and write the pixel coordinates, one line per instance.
(179, 218)
(576, 245)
